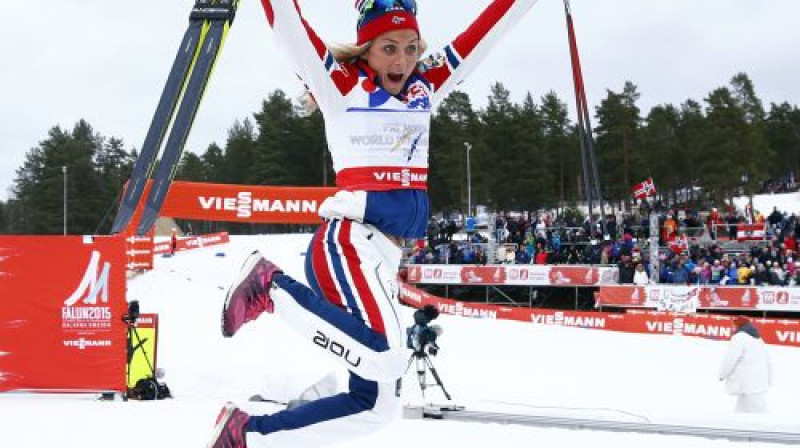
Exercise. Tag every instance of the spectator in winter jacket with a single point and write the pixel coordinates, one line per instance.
(743, 274)
(626, 270)
(795, 280)
(680, 275)
(761, 277)
(746, 368)
(717, 272)
(640, 276)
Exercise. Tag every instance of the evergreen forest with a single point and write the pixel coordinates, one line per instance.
(523, 156)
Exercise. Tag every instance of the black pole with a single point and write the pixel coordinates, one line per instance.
(590, 172)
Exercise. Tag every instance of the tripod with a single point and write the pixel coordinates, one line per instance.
(134, 333)
(424, 364)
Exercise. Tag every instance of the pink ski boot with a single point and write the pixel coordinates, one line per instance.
(249, 296)
(229, 430)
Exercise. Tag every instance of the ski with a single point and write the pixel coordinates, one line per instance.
(176, 81)
(219, 14)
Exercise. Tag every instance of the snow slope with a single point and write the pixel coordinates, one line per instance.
(486, 365)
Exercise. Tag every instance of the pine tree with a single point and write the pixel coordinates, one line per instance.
(534, 185)
(783, 135)
(737, 153)
(497, 161)
(239, 154)
(3, 218)
(214, 162)
(452, 132)
(192, 168)
(691, 130)
(277, 128)
(618, 147)
(561, 147)
(663, 156)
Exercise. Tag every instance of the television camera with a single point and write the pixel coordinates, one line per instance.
(421, 338)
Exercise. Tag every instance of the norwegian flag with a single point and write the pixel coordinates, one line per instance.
(644, 189)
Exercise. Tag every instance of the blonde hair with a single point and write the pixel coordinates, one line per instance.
(345, 54)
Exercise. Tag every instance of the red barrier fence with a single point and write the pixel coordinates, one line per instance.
(192, 242)
(512, 275)
(139, 252)
(684, 298)
(62, 300)
(774, 331)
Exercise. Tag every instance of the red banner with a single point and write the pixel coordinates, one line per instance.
(192, 242)
(773, 331)
(512, 275)
(685, 298)
(60, 317)
(139, 252)
(751, 232)
(245, 203)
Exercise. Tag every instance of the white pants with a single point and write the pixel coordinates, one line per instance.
(350, 314)
(755, 403)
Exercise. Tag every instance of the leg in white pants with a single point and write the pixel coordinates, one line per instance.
(351, 315)
(754, 403)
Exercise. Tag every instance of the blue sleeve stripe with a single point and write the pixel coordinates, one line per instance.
(328, 60)
(452, 58)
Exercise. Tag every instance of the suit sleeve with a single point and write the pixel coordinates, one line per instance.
(446, 68)
(326, 79)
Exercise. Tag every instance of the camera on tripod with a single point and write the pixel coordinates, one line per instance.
(421, 337)
(132, 315)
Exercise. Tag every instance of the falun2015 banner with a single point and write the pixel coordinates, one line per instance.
(62, 299)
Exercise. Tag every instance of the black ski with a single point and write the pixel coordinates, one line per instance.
(158, 126)
(220, 15)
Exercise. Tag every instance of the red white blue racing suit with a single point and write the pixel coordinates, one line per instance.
(379, 146)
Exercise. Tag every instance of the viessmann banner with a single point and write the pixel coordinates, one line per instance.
(709, 326)
(192, 242)
(512, 275)
(61, 303)
(243, 203)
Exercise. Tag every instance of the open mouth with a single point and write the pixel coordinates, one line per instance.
(395, 77)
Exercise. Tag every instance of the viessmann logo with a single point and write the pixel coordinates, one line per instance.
(245, 205)
(404, 177)
(84, 343)
(81, 311)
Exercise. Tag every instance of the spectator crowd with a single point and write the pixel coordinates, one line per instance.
(694, 247)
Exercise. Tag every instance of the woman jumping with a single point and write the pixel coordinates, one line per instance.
(376, 97)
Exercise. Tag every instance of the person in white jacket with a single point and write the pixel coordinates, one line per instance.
(746, 367)
(640, 275)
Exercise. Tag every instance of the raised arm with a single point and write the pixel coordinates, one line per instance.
(448, 67)
(327, 80)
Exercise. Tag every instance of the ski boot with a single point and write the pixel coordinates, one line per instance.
(249, 296)
(229, 429)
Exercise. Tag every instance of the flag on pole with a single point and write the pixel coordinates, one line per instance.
(644, 189)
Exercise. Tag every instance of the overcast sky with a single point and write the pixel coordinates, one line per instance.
(106, 60)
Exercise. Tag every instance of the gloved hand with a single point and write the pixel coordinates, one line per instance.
(344, 205)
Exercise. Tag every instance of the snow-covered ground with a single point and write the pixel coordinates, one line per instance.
(764, 203)
(486, 365)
